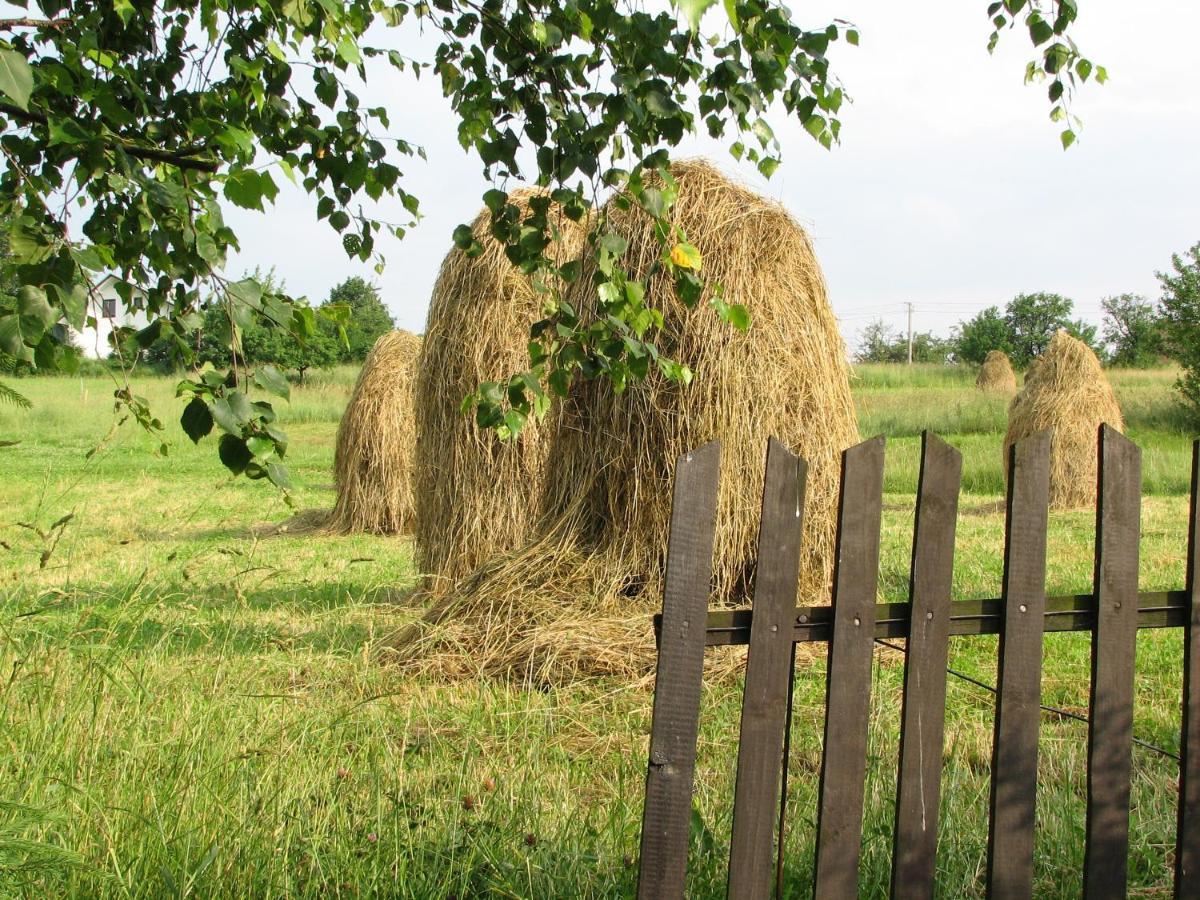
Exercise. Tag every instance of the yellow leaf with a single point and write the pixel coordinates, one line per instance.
(686, 256)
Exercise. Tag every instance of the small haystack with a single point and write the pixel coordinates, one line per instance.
(373, 460)
(476, 495)
(576, 601)
(996, 375)
(1068, 391)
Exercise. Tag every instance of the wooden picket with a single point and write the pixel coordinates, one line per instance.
(1113, 613)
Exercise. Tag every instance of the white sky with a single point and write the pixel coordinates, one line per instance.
(949, 189)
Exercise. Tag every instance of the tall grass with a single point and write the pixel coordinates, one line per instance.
(188, 706)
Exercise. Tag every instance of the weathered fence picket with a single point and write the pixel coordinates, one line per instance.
(922, 720)
(1187, 841)
(667, 818)
(1019, 688)
(768, 674)
(1114, 637)
(848, 679)
(1113, 613)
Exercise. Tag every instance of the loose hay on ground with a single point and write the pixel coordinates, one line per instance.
(595, 574)
(1067, 390)
(373, 458)
(476, 495)
(996, 375)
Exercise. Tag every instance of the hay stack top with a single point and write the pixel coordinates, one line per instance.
(996, 375)
(787, 376)
(476, 495)
(374, 453)
(1066, 390)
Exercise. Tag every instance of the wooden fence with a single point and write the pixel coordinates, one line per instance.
(1113, 613)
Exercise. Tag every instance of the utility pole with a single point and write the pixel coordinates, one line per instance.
(910, 336)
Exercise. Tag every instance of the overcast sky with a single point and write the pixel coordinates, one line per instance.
(950, 188)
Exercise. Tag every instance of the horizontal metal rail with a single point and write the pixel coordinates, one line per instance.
(1072, 612)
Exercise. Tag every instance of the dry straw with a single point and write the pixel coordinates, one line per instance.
(475, 494)
(576, 601)
(374, 455)
(996, 375)
(1066, 390)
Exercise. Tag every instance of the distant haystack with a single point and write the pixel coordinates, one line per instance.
(996, 375)
(374, 454)
(1066, 390)
(575, 601)
(476, 495)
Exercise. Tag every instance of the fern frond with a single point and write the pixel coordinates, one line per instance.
(8, 395)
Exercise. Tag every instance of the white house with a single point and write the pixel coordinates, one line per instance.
(110, 312)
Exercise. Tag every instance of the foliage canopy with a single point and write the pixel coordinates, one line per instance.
(1180, 306)
(128, 127)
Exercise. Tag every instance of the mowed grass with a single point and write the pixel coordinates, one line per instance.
(188, 706)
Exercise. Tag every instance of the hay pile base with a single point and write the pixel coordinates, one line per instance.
(476, 495)
(1066, 390)
(373, 459)
(577, 600)
(996, 375)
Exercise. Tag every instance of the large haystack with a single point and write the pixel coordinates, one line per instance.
(576, 600)
(373, 459)
(475, 494)
(1068, 391)
(996, 375)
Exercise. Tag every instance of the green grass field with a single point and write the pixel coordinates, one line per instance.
(188, 707)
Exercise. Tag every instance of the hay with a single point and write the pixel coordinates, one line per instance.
(1065, 390)
(475, 494)
(374, 455)
(996, 375)
(594, 576)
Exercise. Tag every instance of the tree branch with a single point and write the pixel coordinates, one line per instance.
(7, 24)
(181, 160)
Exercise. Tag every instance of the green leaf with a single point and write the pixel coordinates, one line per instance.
(297, 11)
(613, 243)
(658, 104)
(246, 292)
(73, 303)
(124, 9)
(232, 412)
(234, 453)
(247, 188)
(732, 13)
(694, 10)
(197, 419)
(12, 341)
(762, 131)
(16, 78)
(207, 248)
(279, 477)
(68, 131)
(737, 316)
(347, 50)
(273, 381)
(260, 446)
(27, 242)
(1040, 31)
(35, 312)
(1067, 138)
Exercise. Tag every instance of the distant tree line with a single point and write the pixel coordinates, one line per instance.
(345, 327)
(1135, 332)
